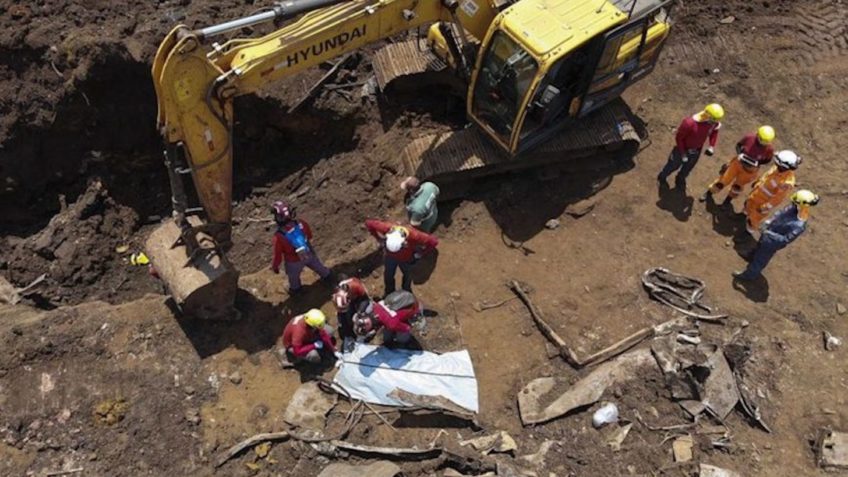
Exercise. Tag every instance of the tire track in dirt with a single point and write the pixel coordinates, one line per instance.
(822, 29)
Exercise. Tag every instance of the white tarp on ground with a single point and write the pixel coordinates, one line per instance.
(371, 373)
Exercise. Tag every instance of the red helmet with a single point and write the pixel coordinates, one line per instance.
(283, 212)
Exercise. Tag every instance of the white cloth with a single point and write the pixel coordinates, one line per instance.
(372, 372)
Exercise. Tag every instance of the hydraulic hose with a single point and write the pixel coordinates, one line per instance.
(280, 10)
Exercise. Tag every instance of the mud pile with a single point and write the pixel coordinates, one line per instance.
(78, 246)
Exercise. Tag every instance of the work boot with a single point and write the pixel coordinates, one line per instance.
(728, 202)
(707, 195)
(348, 344)
(661, 181)
(743, 275)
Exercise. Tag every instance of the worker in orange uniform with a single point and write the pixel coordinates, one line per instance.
(692, 134)
(347, 296)
(752, 152)
(404, 246)
(771, 189)
(306, 337)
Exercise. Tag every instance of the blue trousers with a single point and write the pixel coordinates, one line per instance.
(391, 266)
(762, 256)
(675, 162)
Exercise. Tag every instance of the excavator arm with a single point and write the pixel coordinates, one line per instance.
(195, 85)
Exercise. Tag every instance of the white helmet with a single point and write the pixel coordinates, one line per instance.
(395, 240)
(787, 159)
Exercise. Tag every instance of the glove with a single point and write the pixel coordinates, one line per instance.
(275, 269)
(710, 151)
(319, 344)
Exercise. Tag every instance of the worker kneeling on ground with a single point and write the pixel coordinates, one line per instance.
(779, 231)
(292, 244)
(394, 314)
(771, 189)
(692, 133)
(752, 151)
(404, 246)
(307, 337)
(420, 201)
(348, 296)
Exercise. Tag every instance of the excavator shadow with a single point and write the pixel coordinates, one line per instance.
(262, 322)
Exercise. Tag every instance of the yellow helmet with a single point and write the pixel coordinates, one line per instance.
(805, 197)
(714, 111)
(139, 259)
(765, 134)
(315, 318)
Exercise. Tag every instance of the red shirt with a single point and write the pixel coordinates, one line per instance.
(397, 321)
(692, 134)
(301, 337)
(752, 148)
(355, 291)
(416, 240)
(284, 249)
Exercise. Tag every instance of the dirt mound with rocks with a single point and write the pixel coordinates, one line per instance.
(77, 248)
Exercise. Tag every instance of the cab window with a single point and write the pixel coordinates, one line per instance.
(507, 71)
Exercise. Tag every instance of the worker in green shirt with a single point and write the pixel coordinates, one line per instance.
(421, 203)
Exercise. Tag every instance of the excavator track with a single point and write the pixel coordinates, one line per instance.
(403, 59)
(456, 159)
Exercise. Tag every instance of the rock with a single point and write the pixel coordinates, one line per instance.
(831, 342)
(380, 468)
(235, 378)
(616, 437)
(552, 224)
(498, 442)
(455, 295)
(713, 471)
(309, 406)
(189, 390)
(193, 416)
(579, 209)
(537, 460)
(682, 448)
(727, 20)
(840, 309)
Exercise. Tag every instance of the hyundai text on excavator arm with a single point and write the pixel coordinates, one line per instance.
(543, 80)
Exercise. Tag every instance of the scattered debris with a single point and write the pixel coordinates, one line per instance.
(552, 224)
(830, 342)
(583, 393)
(840, 309)
(309, 406)
(706, 470)
(500, 442)
(727, 20)
(249, 442)
(720, 393)
(381, 468)
(833, 449)
(111, 411)
(682, 448)
(537, 459)
(678, 292)
(485, 305)
(616, 438)
(435, 403)
(262, 450)
(11, 295)
(55, 473)
(606, 414)
(235, 378)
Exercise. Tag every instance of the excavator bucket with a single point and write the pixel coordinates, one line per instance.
(204, 284)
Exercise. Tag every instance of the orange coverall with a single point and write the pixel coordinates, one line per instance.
(767, 194)
(737, 173)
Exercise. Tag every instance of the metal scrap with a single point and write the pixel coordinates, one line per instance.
(679, 292)
(500, 442)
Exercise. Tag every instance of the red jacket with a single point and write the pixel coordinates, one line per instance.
(301, 337)
(693, 134)
(284, 249)
(397, 321)
(751, 147)
(416, 240)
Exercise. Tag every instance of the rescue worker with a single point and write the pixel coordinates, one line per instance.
(306, 337)
(292, 245)
(779, 231)
(404, 246)
(393, 314)
(420, 203)
(347, 297)
(752, 151)
(771, 189)
(692, 133)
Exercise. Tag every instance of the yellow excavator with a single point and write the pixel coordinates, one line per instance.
(542, 84)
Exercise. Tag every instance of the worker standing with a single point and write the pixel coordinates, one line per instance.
(779, 231)
(420, 203)
(292, 245)
(393, 314)
(404, 246)
(348, 295)
(692, 134)
(752, 152)
(771, 189)
(306, 337)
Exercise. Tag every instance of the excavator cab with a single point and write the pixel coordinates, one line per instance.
(545, 64)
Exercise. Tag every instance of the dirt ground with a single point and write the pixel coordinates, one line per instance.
(97, 372)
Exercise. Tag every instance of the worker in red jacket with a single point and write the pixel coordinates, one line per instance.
(403, 247)
(347, 297)
(307, 336)
(292, 245)
(692, 134)
(393, 314)
(752, 153)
